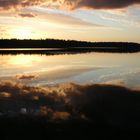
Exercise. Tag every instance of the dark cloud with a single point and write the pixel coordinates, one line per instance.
(112, 104)
(73, 4)
(8, 4)
(101, 4)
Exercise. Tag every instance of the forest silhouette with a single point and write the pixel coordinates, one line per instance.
(64, 46)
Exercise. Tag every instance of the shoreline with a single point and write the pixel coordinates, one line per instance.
(55, 51)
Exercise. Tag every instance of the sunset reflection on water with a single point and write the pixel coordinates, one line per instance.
(81, 68)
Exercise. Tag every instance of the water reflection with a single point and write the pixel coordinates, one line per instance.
(22, 60)
(82, 68)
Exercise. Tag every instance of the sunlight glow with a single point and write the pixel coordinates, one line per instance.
(22, 60)
(22, 33)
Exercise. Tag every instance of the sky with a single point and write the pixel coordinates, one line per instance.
(88, 20)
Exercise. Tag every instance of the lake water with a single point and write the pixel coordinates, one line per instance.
(109, 68)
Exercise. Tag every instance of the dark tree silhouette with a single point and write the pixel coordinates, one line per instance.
(71, 45)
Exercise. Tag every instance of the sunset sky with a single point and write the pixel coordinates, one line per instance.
(90, 20)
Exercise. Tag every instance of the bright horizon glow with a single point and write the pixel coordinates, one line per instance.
(26, 33)
(21, 33)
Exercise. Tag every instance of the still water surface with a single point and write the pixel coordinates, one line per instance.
(36, 70)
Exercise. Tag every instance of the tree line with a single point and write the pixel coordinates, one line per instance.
(55, 43)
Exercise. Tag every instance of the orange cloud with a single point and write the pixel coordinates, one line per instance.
(26, 77)
(61, 115)
(5, 94)
(27, 15)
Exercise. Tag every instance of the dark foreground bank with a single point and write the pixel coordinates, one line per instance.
(70, 110)
(38, 128)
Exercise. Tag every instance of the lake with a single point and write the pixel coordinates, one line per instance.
(40, 70)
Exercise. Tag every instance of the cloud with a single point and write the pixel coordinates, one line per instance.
(60, 18)
(61, 116)
(8, 4)
(65, 72)
(26, 77)
(5, 94)
(100, 4)
(72, 4)
(117, 82)
(27, 15)
(111, 104)
(68, 20)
